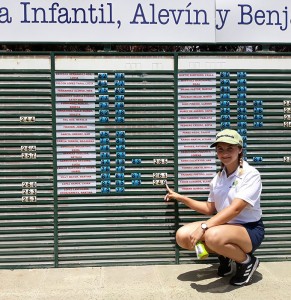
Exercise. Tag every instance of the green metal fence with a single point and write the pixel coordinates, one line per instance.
(88, 141)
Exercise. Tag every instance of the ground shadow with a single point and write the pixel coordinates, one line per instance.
(217, 285)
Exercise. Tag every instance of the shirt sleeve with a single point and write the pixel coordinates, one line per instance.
(211, 194)
(250, 189)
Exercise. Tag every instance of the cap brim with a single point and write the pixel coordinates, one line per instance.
(224, 141)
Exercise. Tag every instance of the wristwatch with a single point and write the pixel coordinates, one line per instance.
(204, 226)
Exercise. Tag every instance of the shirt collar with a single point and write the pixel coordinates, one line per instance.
(234, 174)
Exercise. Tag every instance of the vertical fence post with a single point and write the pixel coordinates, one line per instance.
(56, 231)
(176, 65)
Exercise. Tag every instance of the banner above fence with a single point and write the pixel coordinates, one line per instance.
(145, 21)
(253, 21)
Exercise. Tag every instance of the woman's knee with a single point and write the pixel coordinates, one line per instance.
(214, 237)
(183, 237)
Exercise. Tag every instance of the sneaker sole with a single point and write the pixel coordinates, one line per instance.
(255, 266)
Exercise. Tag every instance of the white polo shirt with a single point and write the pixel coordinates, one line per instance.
(247, 186)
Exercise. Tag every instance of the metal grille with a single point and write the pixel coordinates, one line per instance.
(253, 97)
(124, 220)
(88, 141)
(26, 168)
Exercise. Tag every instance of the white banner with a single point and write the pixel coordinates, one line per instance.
(107, 21)
(145, 21)
(253, 21)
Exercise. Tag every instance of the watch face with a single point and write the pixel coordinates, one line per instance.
(204, 226)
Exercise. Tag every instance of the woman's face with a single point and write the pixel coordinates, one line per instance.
(228, 154)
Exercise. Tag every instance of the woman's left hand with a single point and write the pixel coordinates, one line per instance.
(196, 235)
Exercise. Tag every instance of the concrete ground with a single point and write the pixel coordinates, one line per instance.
(179, 282)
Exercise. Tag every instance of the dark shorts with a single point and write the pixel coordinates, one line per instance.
(256, 231)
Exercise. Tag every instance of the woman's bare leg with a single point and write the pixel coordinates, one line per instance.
(229, 240)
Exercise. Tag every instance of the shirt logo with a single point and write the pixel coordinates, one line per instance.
(234, 184)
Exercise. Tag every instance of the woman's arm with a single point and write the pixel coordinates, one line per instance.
(205, 207)
(227, 213)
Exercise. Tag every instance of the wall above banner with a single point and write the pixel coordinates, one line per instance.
(145, 21)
